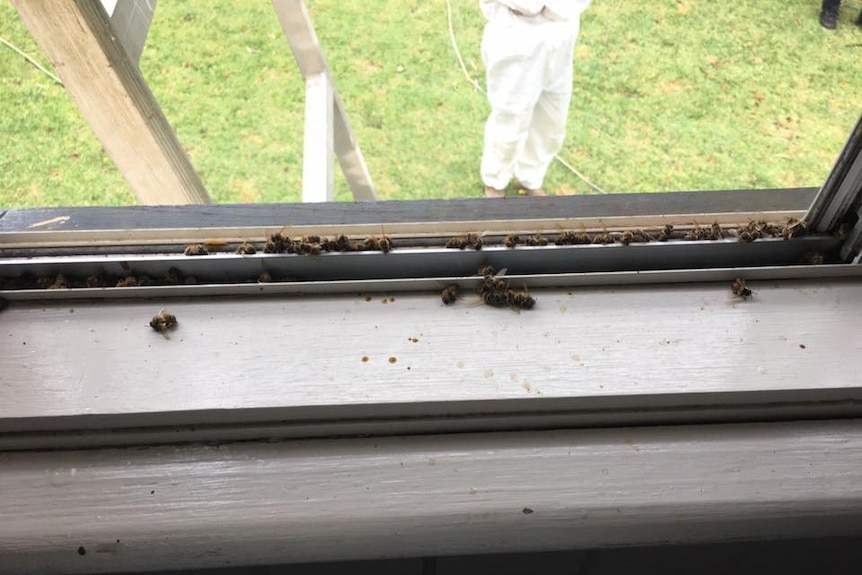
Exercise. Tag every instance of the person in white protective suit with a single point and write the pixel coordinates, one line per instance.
(527, 48)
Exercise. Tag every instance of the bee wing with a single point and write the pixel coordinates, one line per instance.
(501, 273)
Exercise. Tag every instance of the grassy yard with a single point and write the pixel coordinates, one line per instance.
(669, 95)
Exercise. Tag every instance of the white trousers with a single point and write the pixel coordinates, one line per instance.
(529, 78)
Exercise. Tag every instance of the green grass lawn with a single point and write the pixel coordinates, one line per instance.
(669, 95)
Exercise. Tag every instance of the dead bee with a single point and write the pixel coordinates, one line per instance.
(793, 228)
(311, 239)
(264, 278)
(635, 237)
(52, 282)
(739, 288)
(511, 240)
(383, 244)
(163, 321)
(813, 258)
(97, 281)
(666, 233)
(60, 282)
(745, 235)
(696, 233)
(450, 294)
(520, 299)
(277, 243)
(570, 237)
(196, 250)
(716, 233)
(603, 238)
(173, 276)
(246, 249)
(128, 281)
(537, 240)
(302, 247)
(464, 241)
(487, 271)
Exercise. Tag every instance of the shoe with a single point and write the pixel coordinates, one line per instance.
(828, 20)
(491, 192)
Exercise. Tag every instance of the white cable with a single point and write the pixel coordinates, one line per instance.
(31, 60)
(476, 85)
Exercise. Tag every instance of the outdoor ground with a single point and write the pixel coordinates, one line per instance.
(669, 95)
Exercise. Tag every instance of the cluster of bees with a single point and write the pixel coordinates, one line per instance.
(101, 280)
(756, 230)
(748, 233)
(494, 291)
(279, 243)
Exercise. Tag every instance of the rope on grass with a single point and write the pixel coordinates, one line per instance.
(31, 60)
(478, 87)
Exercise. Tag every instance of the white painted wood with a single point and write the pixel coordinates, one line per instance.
(403, 353)
(258, 503)
(303, 41)
(113, 97)
(131, 21)
(318, 169)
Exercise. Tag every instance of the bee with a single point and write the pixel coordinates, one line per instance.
(603, 238)
(520, 299)
(277, 243)
(60, 282)
(745, 235)
(196, 250)
(464, 241)
(383, 244)
(173, 276)
(487, 271)
(792, 228)
(302, 247)
(128, 281)
(97, 281)
(566, 238)
(739, 288)
(163, 322)
(537, 240)
(666, 233)
(716, 233)
(635, 237)
(246, 248)
(813, 258)
(311, 239)
(264, 278)
(450, 294)
(697, 233)
(511, 240)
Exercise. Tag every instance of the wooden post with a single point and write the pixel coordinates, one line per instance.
(114, 98)
(305, 45)
(318, 178)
